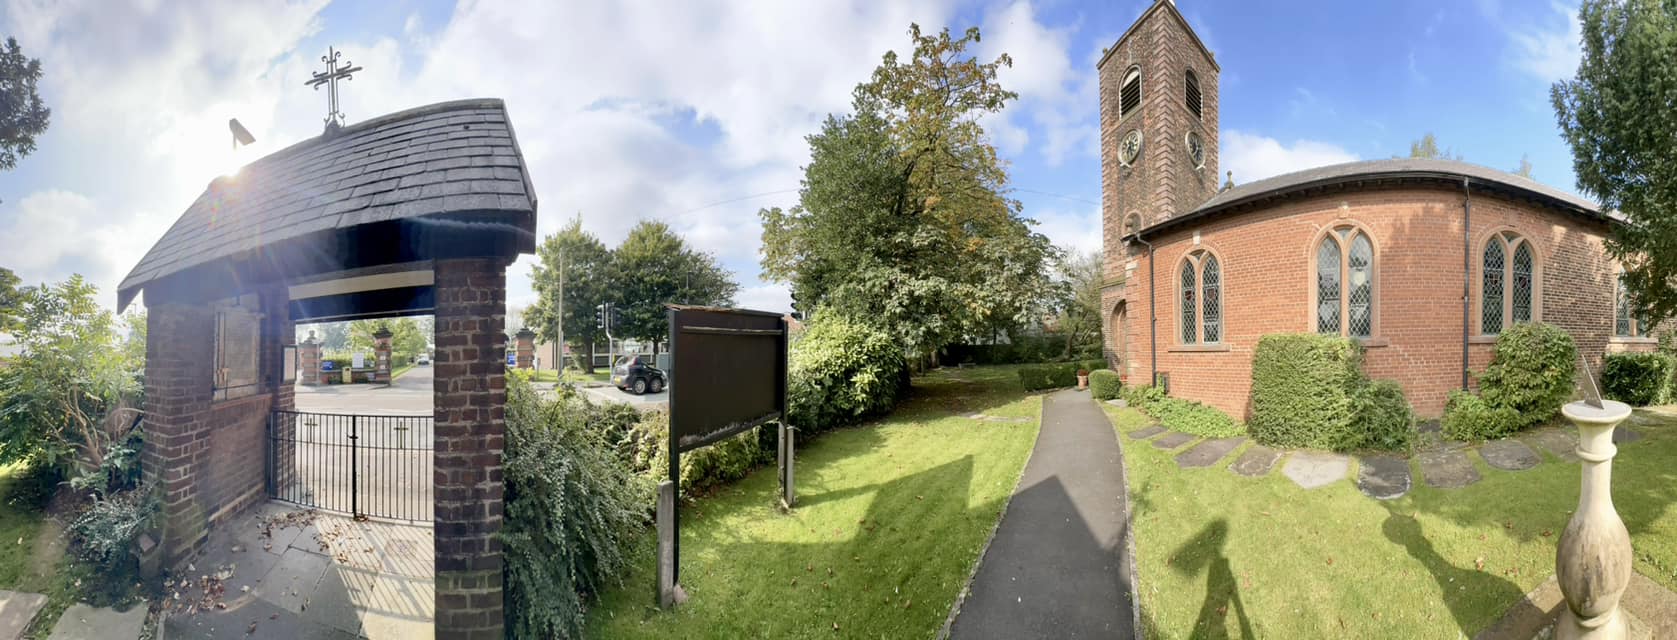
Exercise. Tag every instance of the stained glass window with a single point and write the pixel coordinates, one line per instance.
(1211, 300)
(1621, 310)
(1490, 299)
(1520, 295)
(1189, 334)
(1327, 286)
(1361, 281)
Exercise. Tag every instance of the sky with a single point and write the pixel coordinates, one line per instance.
(695, 113)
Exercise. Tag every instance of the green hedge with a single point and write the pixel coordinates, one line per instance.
(1177, 414)
(1638, 379)
(1308, 390)
(1048, 376)
(841, 372)
(1530, 376)
(1104, 384)
(701, 469)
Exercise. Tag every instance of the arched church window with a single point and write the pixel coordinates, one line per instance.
(1193, 98)
(1201, 299)
(1345, 302)
(1129, 95)
(1508, 277)
(1626, 324)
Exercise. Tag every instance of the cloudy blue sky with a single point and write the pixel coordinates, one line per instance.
(695, 112)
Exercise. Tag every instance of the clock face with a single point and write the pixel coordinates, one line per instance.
(1196, 150)
(1130, 148)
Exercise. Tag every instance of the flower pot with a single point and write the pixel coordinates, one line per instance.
(1083, 381)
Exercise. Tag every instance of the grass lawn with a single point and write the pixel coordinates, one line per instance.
(1219, 555)
(33, 557)
(401, 370)
(890, 520)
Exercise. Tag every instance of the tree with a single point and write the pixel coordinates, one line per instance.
(1616, 115)
(405, 337)
(22, 115)
(587, 282)
(1524, 170)
(1427, 147)
(69, 397)
(1081, 277)
(903, 222)
(11, 300)
(654, 266)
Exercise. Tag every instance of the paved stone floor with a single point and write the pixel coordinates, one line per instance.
(285, 572)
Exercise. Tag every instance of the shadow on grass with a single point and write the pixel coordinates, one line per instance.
(1453, 582)
(1204, 552)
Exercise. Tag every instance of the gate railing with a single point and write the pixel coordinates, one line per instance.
(363, 465)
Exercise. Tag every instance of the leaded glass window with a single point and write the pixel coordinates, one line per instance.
(1621, 311)
(1211, 300)
(1490, 307)
(1189, 334)
(1361, 300)
(1520, 295)
(1327, 286)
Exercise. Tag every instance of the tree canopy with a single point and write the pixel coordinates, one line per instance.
(1427, 147)
(11, 300)
(654, 266)
(23, 116)
(1616, 114)
(903, 221)
(587, 282)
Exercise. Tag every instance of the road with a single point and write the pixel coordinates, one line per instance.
(409, 395)
(610, 393)
(384, 471)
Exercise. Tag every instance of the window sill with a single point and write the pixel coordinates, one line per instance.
(1631, 340)
(1482, 339)
(1372, 343)
(1198, 348)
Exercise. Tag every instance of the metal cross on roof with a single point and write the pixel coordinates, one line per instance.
(330, 79)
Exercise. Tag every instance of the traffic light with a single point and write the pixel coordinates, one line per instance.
(600, 316)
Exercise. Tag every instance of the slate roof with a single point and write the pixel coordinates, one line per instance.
(443, 158)
(1378, 171)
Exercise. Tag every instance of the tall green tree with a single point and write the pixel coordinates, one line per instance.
(1427, 147)
(1524, 170)
(903, 221)
(11, 300)
(654, 266)
(1616, 114)
(1080, 279)
(23, 116)
(405, 336)
(587, 282)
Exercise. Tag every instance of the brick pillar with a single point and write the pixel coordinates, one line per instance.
(526, 348)
(381, 355)
(470, 405)
(179, 350)
(277, 332)
(308, 362)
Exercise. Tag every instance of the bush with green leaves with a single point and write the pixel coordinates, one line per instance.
(1141, 396)
(1194, 418)
(1638, 379)
(1037, 377)
(1467, 417)
(842, 372)
(572, 511)
(104, 535)
(701, 469)
(1104, 384)
(1309, 390)
(1530, 376)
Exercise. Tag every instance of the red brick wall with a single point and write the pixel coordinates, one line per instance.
(1267, 259)
(470, 405)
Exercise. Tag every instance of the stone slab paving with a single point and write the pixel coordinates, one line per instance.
(1118, 402)
(1311, 469)
(1561, 443)
(17, 610)
(1257, 461)
(84, 622)
(1447, 469)
(1148, 432)
(1208, 453)
(1173, 440)
(1509, 455)
(1383, 477)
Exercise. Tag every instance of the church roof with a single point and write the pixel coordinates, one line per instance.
(447, 158)
(1372, 173)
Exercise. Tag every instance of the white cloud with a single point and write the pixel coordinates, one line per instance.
(767, 297)
(1074, 228)
(1550, 52)
(1059, 98)
(1255, 157)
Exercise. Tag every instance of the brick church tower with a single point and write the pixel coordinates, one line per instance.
(1158, 106)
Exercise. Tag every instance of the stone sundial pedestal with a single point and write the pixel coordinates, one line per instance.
(1593, 563)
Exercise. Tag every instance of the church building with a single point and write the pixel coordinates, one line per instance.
(1422, 262)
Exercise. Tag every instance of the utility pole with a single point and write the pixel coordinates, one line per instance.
(559, 343)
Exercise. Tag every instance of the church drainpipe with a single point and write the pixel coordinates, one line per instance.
(1152, 316)
(1467, 269)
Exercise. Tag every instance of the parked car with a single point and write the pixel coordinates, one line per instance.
(636, 375)
(422, 360)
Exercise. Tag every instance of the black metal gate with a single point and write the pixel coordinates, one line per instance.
(378, 466)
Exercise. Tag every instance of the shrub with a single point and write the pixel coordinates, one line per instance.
(841, 372)
(105, 534)
(1141, 396)
(1531, 373)
(1048, 376)
(1104, 384)
(1091, 365)
(1195, 418)
(1638, 379)
(1383, 418)
(572, 510)
(1468, 417)
(701, 469)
